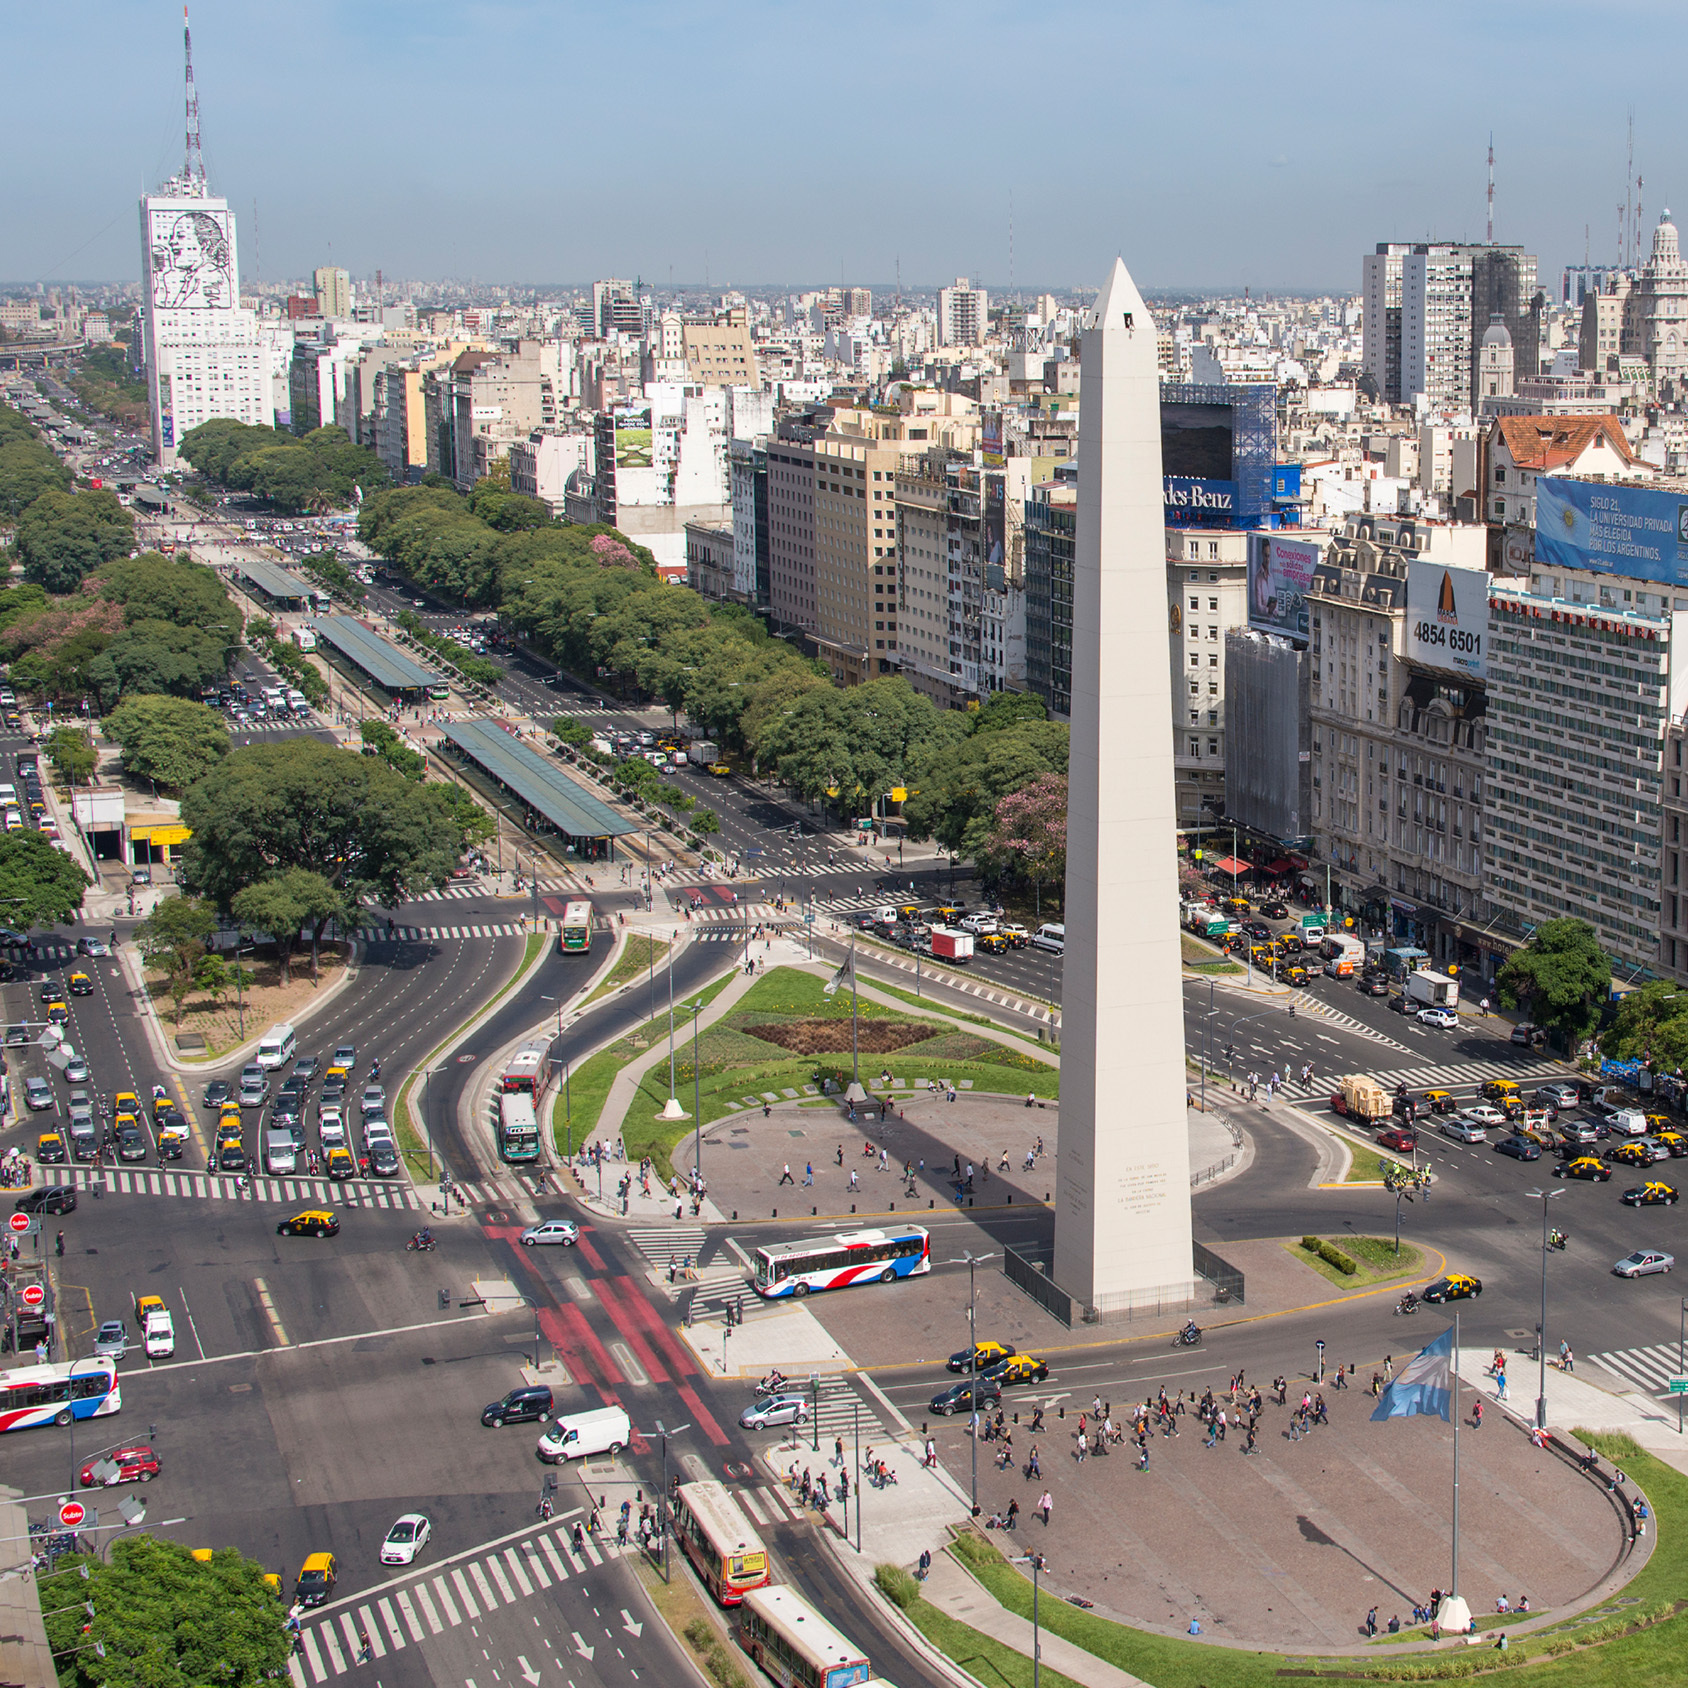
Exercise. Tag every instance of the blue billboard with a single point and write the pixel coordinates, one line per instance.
(1633, 530)
(1197, 503)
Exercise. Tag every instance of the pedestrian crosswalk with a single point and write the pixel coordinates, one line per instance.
(319, 1192)
(661, 1244)
(1321, 1011)
(436, 934)
(1453, 1076)
(1649, 1369)
(412, 1610)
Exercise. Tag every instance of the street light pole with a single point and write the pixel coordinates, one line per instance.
(1544, 1197)
(697, 1103)
(1035, 1560)
(972, 1262)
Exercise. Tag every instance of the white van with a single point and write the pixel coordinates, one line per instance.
(277, 1047)
(599, 1431)
(1051, 937)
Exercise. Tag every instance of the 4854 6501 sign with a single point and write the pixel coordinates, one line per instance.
(1448, 618)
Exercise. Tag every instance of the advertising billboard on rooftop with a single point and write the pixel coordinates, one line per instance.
(1634, 530)
(1197, 440)
(1448, 619)
(1280, 575)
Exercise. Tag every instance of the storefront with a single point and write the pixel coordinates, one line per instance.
(156, 843)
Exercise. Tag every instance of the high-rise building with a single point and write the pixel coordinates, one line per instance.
(333, 294)
(963, 314)
(1051, 512)
(1206, 598)
(856, 556)
(791, 534)
(204, 356)
(1380, 295)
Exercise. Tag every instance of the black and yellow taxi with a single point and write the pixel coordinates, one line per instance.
(992, 943)
(125, 1102)
(1659, 1122)
(49, 1148)
(81, 985)
(58, 1012)
(981, 1354)
(1439, 1102)
(1456, 1286)
(1017, 1368)
(1654, 1193)
(1234, 905)
(316, 1580)
(313, 1222)
(1497, 1089)
(1670, 1138)
(162, 1105)
(1583, 1166)
(950, 911)
(1296, 974)
(338, 1163)
(1631, 1154)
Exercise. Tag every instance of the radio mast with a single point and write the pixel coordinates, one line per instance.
(1491, 236)
(193, 167)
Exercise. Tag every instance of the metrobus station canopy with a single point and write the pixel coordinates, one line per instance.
(370, 654)
(276, 584)
(553, 800)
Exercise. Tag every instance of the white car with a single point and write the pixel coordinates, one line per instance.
(1480, 1113)
(1643, 1262)
(1444, 1019)
(408, 1536)
(563, 1231)
(1462, 1130)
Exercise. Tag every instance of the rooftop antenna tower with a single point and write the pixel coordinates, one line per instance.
(193, 167)
(1491, 234)
(1629, 177)
(1638, 223)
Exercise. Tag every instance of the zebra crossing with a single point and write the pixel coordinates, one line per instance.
(461, 1592)
(1316, 1010)
(661, 1244)
(1439, 1077)
(315, 1192)
(1649, 1369)
(436, 934)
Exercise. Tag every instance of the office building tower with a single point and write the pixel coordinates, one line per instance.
(333, 294)
(963, 314)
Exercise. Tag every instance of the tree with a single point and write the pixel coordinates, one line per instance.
(170, 740)
(72, 754)
(371, 833)
(706, 823)
(1031, 830)
(40, 884)
(472, 821)
(1561, 976)
(1651, 1024)
(63, 536)
(380, 740)
(211, 975)
(164, 1619)
(572, 731)
(958, 785)
(272, 906)
(1008, 709)
(154, 588)
(174, 938)
(159, 657)
(27, 469)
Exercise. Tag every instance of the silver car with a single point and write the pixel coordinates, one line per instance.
(76, 1070)
(1461, 1130)
(1644, 1262)
(111, 1340)
(563, 1231)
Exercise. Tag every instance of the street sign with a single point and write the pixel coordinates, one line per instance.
(1678, 1385)
(71, 1514)
(19, 1222)
(32, 1295)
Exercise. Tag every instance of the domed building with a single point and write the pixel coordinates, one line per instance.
(1495, 363)
(1656, 313)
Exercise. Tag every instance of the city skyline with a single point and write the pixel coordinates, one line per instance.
(563, 171)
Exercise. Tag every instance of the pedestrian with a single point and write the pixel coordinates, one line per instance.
(1046, 1505)
(808, 1173)
(838, 1451)
(853, 1182)
(1371, 1622)
(785, 1175)
(1500, 1386)
(59, 1245)
(1477, 1416)
(365, 1651)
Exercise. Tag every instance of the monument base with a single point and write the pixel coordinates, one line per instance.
(671, 1109)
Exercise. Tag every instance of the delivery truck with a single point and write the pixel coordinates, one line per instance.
(1425, 989)
(948, 944)
(701, 752)
(1363, 1099)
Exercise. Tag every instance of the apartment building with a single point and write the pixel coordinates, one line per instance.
(541, 465)
(922, 491)
(855, 504)
(1050, 536)
(1206, 597)
(709, 559)
(791, 535)
(748, 468)
(1673, 856)
(333, 289)
(719, 351)
(963, 314)
(1518, 449)
(497, 398)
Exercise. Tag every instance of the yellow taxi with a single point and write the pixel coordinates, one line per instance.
(339, 1164)
(720, 770)
(1495, 1089)
(1439, 1102)
(1584, 1166)
(992, 943)
(342, 1073)
(172, 1136)
(316, 1580)
(126, 1102)
(1651, 1194)
(1297, 975)
(229, 1113)
(1018, 1368)
(1456, 1286)
(81, 985)
(1671, 1139)
(58, 1013)
(49, 1148)
(162, 1105)
(981, 1354)
(313, 1222)
(146, 1306)
(1631, 1154)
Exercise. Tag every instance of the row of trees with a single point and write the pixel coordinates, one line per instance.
(319, 471)
(104, 382)
(28, 466)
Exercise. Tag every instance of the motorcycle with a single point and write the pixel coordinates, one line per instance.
(772, 1384)
(1557, 1239)
(1188, 1337)
(421, 1243)
(1408, 1304)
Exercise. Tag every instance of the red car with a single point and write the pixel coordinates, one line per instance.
(134, 1465)
(1402, 1141)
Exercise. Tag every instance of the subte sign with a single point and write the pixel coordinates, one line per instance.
(71, 1514)
(18, 1222)
(32, 1295)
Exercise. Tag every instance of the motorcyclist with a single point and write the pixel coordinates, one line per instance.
(1409, 1302)
(1191, 1332)
(423, 1239)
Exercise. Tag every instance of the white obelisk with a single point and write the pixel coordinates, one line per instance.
(1122, 1216)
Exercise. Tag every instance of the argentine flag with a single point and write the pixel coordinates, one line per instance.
(1425, 1383)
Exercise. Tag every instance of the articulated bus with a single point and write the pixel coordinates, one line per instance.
(518, 1128)
(576, 932)
(795, 1645)
(57, 1393)
(851, 1257)
(529, 1069)
(727, 1552)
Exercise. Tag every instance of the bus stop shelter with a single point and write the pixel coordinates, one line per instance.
(376, 658)
(286, 591)
(551, 800)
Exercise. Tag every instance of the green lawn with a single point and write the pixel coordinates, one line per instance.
(638, 955)
(987, 1661)
(733, 1063)
(1375, 1257)
(1637, 1639)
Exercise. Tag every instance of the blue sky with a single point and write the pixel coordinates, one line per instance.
(1212, 143)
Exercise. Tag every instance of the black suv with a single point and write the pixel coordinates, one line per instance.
(131, 1145)
(49, 1198)
(520, 1406)
(958, 1398)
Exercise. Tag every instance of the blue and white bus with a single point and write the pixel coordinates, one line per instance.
(837, 1262)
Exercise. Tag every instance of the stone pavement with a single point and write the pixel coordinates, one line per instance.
(1289, 1547)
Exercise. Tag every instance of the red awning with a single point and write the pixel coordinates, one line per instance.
(1230, 864)
(1282, 865)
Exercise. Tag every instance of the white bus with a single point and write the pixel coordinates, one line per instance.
(795, 1645)
(727, 1552)
(837, 1262)
(56, 1393)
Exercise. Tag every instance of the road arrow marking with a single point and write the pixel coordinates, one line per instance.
(585, 1651)
(633, 1629)
(528, 1671)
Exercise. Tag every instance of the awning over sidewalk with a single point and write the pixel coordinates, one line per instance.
(1230, 864)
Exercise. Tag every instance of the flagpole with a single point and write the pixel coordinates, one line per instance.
(1453, 1382)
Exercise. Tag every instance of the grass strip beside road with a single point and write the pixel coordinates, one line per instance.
(988, 1661)
(1374, 1256)
(413, 1147)
(639, 954)
(1636, 1638)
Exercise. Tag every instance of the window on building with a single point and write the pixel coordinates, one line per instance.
(1195, 747)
